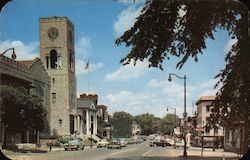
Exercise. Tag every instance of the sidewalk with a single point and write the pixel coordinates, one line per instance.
(42, 149)
(194, 153)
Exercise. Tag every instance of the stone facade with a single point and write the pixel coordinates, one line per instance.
(58, 57)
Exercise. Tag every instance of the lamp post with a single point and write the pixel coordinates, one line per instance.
(185, 112)
(174, 124)
(13, 56)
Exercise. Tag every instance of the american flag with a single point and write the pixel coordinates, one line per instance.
(87, 66)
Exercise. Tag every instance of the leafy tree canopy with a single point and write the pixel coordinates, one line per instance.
(122, 124)
(21, 111)
(168, 123)
(160, 33)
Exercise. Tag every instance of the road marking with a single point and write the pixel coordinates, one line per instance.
(123, 151)
(147, 152)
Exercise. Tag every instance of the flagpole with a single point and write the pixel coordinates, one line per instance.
(87, 68)
(88, 76)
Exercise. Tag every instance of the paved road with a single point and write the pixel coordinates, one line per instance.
(132, 152)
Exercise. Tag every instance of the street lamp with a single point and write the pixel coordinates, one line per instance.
(13, 56)
(174, 124)
(185, 112)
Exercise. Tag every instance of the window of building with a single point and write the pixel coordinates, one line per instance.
(47, 61)
(53, 59)
(60, 122)
(216, 130)
(53, 97)
(71, 126)
(53, 80)
(208, 108)
(104, 134)
(72, 99)
(207, 131)
(71, 61)
(59, 62)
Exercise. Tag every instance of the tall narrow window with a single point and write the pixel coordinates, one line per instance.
(53, 80)
(53, 59)
(207, 108)
(215, 130)
(60, 122)
(47, 61)
(53, 97)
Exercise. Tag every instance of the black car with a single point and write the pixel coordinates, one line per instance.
(161, 143)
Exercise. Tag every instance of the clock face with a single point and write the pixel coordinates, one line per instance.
(53, 33)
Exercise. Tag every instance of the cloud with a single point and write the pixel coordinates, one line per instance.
(23, 51)
(133, 103)
(209, 83)
(229, 44)
(157, 96)
(129, 72)
(143, 102)
(81, 64)
(83, 47)
(126, 19)
(207, 88)
(170, 88)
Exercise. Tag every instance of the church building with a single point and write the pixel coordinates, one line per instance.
(58, 57)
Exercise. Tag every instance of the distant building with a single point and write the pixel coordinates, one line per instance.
(86, 115)
(203, 113)
(136, 129)
(104, 127)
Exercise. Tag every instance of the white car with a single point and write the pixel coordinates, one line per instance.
(123, 142)
(179, 143)
(102, 143)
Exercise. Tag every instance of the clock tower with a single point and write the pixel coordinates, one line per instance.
(58, 56)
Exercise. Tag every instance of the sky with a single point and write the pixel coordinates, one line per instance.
(98, 23)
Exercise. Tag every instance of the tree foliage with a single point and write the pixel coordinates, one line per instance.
(122, 124)
(147, 122)
(21, 111)
(168, 123)
(160, 33)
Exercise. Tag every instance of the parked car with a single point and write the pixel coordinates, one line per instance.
(161, 143)
(102, 143)
(74, 143)
(179, 143)
(131, 141)
(114, 144)
(123, 142)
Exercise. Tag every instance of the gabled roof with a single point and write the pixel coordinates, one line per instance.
(29, 63)
(85, 104)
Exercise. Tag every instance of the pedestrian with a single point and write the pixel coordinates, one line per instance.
(50, 145)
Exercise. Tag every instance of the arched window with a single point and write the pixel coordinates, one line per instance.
(53, 59)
